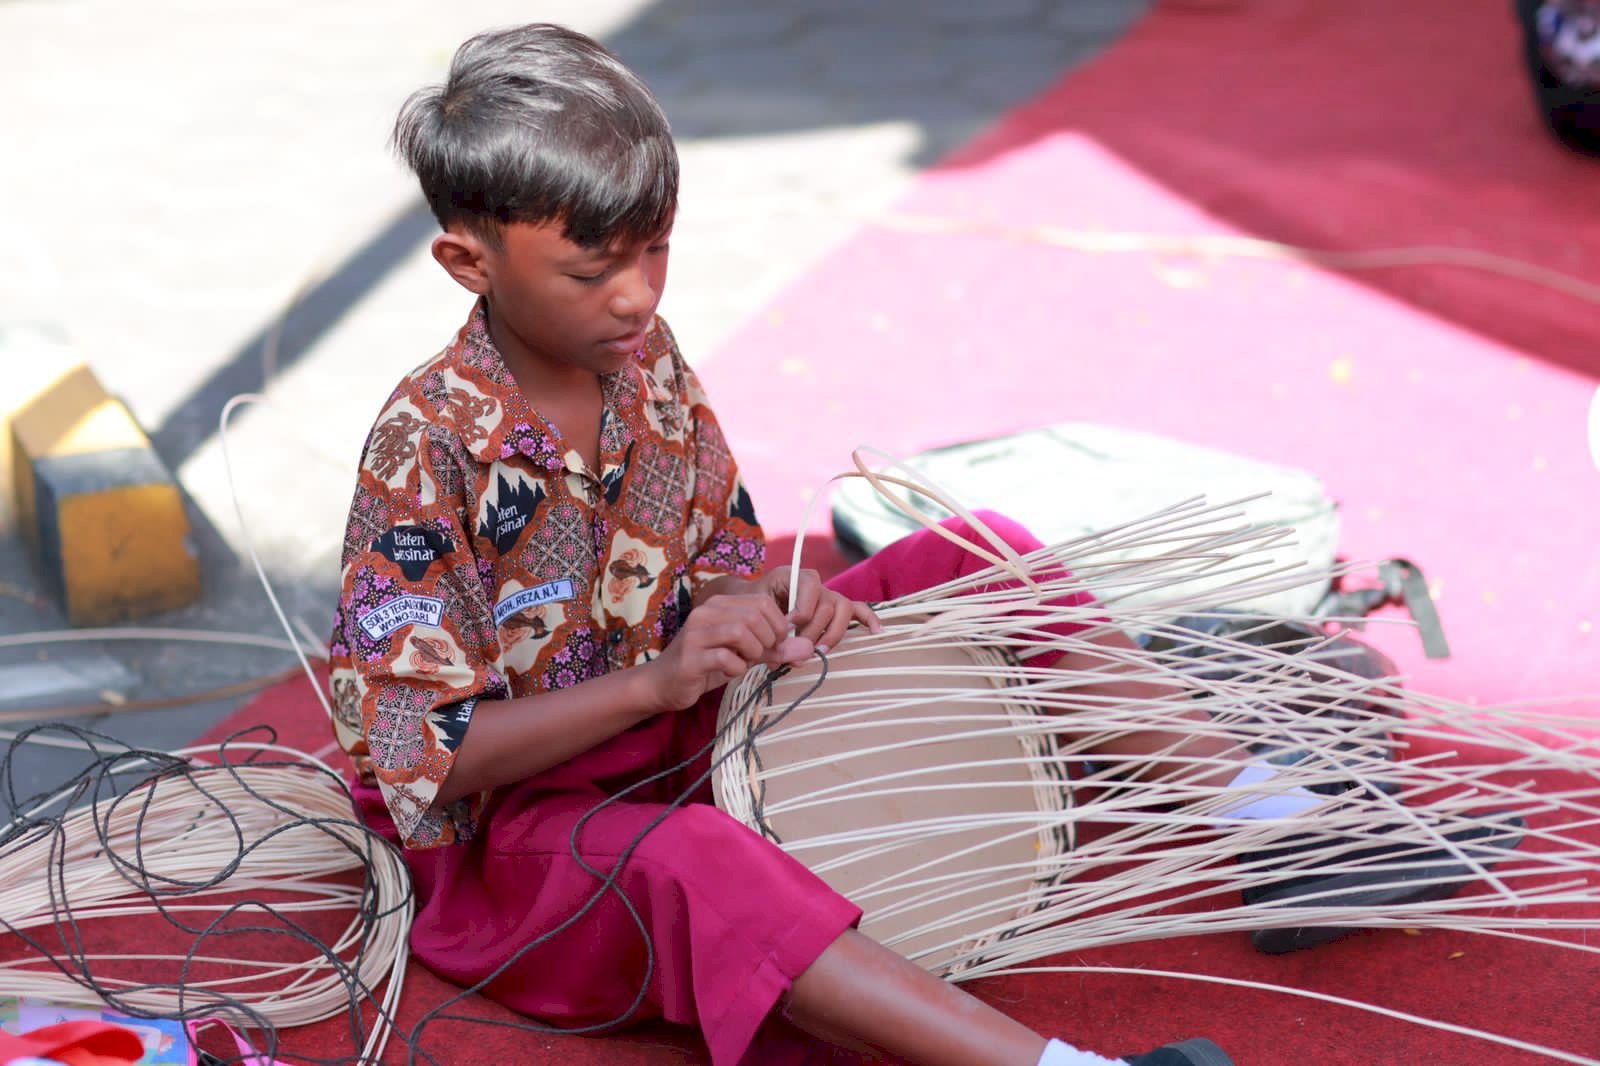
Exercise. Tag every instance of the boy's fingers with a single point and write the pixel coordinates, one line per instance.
(792, 650)
(832, 617)
(734, 639)
(838, 626)
(822, 620)
(752, 627)
(727, 666)
(757, 614)
(807, 591)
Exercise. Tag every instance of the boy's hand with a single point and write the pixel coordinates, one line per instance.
(820, 616)
(722, 638)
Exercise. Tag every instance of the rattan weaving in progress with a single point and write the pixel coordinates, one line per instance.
(937, 773)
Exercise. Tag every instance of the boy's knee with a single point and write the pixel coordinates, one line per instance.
(701, 829)
(704, 845)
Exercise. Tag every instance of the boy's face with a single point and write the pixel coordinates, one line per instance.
(554, 306)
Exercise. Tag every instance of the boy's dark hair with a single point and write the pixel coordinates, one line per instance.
(541, 124)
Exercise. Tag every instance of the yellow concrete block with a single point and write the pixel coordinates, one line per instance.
(102, 513)
(33, 355)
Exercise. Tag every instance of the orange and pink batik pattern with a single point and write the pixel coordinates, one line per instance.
(483, 559)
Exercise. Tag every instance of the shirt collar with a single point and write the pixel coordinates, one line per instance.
(521, 429)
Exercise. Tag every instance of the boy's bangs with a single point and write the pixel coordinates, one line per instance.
(625, 198)
(541, 125)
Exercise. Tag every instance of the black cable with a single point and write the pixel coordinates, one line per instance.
(111, 759)
(28, 829)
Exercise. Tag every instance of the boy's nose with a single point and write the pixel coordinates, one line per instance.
(633, 295)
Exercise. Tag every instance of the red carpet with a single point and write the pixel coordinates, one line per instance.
(1524, 991)
(1444, 407)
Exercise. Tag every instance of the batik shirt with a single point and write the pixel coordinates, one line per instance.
(484, 560)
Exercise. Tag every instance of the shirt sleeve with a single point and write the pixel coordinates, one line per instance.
(725, 536)
(414, 643)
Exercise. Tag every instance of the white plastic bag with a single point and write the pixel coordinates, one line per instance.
(1075, 478)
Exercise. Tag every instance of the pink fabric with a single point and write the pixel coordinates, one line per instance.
(247, 1054)
(731, 919)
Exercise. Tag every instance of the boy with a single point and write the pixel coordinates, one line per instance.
(550, 571)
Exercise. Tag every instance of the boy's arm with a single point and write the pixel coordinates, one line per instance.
(514, 739)
(415, 647)
(722, 585)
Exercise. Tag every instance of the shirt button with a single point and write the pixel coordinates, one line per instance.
(616, 636)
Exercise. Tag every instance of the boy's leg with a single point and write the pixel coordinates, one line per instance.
(860, 991)
(707, 924)
(860, 988)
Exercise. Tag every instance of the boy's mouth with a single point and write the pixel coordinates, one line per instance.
(628, 342)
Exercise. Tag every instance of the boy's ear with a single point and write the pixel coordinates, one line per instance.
(462, 255)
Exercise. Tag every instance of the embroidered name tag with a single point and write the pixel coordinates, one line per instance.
(402, 611)
(512, 508)
(549, 592)
(452, 722)
(414, 548)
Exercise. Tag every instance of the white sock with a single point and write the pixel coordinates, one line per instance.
(1057, 1053)
(1280, 802)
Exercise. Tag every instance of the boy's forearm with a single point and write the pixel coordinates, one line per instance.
(510, 740)
(720, 586)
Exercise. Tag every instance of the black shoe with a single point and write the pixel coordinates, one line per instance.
(1196, 1052)
(1416, 875)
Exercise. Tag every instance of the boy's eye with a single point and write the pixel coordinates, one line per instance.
(588, 279)
(658, 248)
